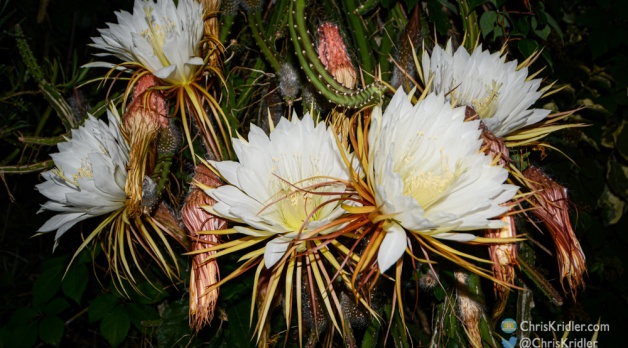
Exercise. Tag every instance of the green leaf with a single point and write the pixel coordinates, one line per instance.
(174, 327)
(86, 255)
(148, 293)
(21, 316)
(498, 3)
(552, 23)
(56, 306)
(612, 207)
(115, 325)
(540, 15)
(22, 328)
(622, 141)
(497, 32)
(51, 330)
(450, 5)
(474, 3)
(611, 133)
(370, 339)
(617, 176)
(238, 333)
(548, 59)
(139, 313)
(543, 33)
(4, 336)
(47, 284)
(101, 306)
(527, 47)
(440, 19)
(524, 26)
(439, 293)
(23, 336)
(398, 332)
(75, 282)
(487, 22)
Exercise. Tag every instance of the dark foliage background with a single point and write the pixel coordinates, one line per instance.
(585, 47)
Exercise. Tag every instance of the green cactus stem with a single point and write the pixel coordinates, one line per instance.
(27, 168)
(316, 73)
(366, 7)
(267, 48)
(52, 95)
(360, 37)
(470, 25)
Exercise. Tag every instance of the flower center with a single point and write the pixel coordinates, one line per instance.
(296, 208)
(427, 187)
(487, 107)
(425, 178)
(85, 171)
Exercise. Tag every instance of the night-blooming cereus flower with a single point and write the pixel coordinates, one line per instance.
(494, 88)
(285, 185)
(429, 175)
(158, 36)
(89, 175)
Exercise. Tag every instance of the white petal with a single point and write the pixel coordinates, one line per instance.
(165, 72)
(228, 170)
(60, 219)
(275, 249)
(195, 61)
(458, 237)
(392, 248)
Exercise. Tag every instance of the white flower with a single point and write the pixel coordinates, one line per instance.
(430, 175)
(160, 36)
(495, 89)
(268, 186)
(89, 177)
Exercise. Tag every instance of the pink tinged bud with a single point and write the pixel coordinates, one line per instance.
(150, 99)
(552, 208)
(333, 54)
(205, 272)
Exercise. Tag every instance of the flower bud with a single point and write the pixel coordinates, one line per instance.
(333, 54)
(205, 272)
(550, 200)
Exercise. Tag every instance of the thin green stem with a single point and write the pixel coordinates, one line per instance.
(470, 25)
(27, 168)
(360, 37)
(255, 23)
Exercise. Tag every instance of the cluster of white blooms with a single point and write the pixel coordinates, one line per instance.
(424, 161)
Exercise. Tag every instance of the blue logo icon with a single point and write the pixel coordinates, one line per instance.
(509, 325)
(511, 343)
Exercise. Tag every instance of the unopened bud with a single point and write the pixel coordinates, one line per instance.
(332, 52)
